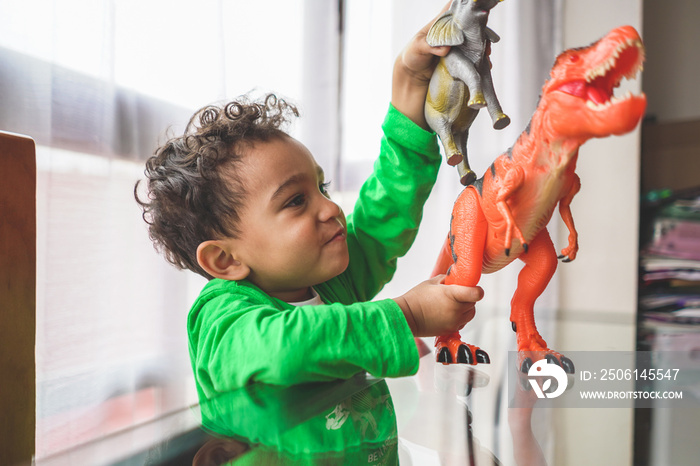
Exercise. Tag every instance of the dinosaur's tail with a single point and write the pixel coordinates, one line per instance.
(444, 260)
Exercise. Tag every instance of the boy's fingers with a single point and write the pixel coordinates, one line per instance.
(471, 313)
(439, 51)
(438, 279)
(423, 48)
(466, 294)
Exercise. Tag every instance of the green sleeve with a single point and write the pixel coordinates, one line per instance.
(385, 220)
(238, 338)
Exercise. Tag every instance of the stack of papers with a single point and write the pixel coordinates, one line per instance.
(670, 266)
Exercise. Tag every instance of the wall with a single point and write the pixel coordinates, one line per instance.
(603, 278)
(601, 284)
(672, 136)
(671, 75)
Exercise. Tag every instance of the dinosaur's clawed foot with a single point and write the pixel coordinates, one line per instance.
(527, 359)
(568, 254)
(566, 257)
(454, 350)
(532, 347)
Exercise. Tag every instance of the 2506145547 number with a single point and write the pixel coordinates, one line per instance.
(639, 374)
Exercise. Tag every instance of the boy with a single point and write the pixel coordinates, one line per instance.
(242, 203)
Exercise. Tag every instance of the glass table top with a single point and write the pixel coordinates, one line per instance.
(489, 414)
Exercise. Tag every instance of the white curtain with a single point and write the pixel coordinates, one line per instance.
(97, 82)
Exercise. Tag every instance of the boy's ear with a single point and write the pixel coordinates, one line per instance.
(218, 260)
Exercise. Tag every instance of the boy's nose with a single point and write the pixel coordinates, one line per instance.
(329, 209)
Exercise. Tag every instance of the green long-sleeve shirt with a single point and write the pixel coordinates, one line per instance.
(238, 334)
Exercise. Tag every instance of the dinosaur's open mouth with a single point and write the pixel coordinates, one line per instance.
(600, 81)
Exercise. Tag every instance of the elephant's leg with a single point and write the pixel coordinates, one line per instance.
(442, 108)
(500, 120)
(461, 133)
(466, 242)
(440, 123)
(453, 153)
(467, 176)
(460, 67)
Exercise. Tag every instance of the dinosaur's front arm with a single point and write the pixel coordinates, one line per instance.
(569, 253)
(512, 181)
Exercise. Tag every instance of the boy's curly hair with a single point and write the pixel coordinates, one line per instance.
(193, 191)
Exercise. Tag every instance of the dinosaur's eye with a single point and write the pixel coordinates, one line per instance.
(573, 58)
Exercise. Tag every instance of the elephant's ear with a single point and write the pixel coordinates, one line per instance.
(445, 31)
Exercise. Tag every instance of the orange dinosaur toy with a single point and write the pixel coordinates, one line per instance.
(503, 215)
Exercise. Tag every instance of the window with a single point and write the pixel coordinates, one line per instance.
(97, 82)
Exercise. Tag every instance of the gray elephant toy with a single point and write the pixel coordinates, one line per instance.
(461, 83)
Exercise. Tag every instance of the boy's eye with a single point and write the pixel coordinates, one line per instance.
(323, 187)
(297, 200)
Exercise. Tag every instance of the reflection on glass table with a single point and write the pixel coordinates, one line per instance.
(343, 422)
(491, 414)
(444, 415)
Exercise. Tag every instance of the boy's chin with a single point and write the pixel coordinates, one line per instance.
(337, 269)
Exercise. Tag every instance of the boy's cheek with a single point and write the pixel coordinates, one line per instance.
(343, 257)
(346, 263)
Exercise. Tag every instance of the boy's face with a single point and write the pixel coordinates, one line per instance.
(292, 235)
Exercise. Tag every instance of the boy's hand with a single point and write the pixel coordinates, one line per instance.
(412, 71)
(433, 308)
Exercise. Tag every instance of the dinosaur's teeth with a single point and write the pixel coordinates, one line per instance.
(597, 72)
(597, 107)
(614, 100)
(606, 105)
(638, 68)
(610, 65)
(604, 68)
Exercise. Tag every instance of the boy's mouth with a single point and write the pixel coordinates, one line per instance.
(337, 236)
